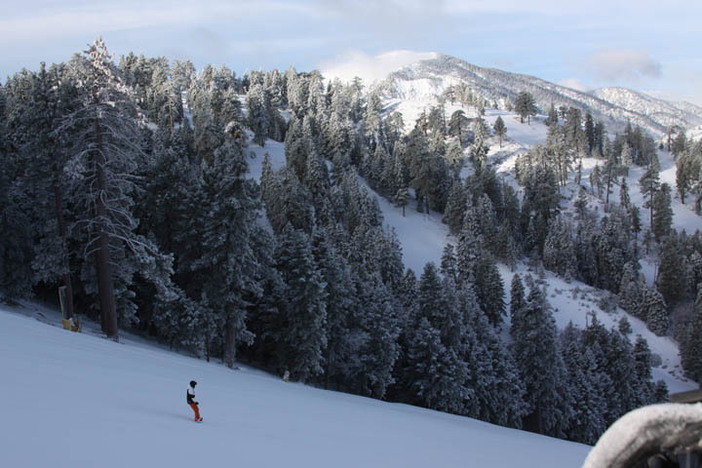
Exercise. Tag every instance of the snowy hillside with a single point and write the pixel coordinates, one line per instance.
(423, 236)
(77, 400)
(683, 114)
(428, 78)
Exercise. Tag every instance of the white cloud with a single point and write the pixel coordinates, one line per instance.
(625, 64)
(368, 67)
(559, 7)
(574, 83)
(50, 20)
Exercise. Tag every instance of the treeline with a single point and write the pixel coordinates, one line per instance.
(129, 185)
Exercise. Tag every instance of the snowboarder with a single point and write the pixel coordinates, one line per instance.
(192, 402)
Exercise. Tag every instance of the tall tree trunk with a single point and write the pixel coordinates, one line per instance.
(230, 342)
(106, 290)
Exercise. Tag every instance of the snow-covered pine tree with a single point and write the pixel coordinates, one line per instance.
(38, 102)
(517, 302)
(372, 122)
(344, 334)
(228, 269)
(105, 153)
(631, 290)
(258, 113)
(649, 185)
(686, 173)
(586, 386)
(378, 320)
(552, 117)
(435, 375)
(470, 244)
(672, 281)
(163, 100)
(493, 378)
(434, 372)
(15, 224)
(662, 212)
(655, 312)
(479, 149)
(537, 354)
(559, 251)
(621, 367)
(303, 333)
(524, 105)
(458, 125)
(613, 249)
(691, 346)
(489, 288)
(455, 207)
(645, 392)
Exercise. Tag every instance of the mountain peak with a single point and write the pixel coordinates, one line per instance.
(430, 76)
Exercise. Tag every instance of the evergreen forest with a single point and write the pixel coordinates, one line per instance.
(125, 182)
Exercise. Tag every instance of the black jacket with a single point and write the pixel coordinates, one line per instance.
(191, 396)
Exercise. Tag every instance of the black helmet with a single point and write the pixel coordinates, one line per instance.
(193, 383)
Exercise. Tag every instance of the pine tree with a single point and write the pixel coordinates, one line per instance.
(642, 367)
(455, 207)
(679, 145)
(458, 124)
(524, 105)
(38, 102)
(258, 113)
(541, 367)
(631, 290)
(344, 338)
(228, 267)
(650, 184)
(691, 346)
(470, 245)
(105, 149)
(672, 281)
(449, 267)
(500, 128)
(627, 156)
(552, 118)
(559, 251)
(621, 368)
(662, 213)
(687, 173)
(454, 155)
(434, 370)
(437, 375)
(380, 350)
(479, 149)
(517, 301)
(655, 312)
(624, 198)
(586, 388)
(497, 391)
(303, 333)
(489, 289)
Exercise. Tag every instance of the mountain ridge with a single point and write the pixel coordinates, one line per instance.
(431, 77)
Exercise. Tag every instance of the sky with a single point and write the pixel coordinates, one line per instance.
(646, 45)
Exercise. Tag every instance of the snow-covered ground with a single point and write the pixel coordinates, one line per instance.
(78, 400)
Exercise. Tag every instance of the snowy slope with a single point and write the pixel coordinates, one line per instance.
(77, 400)
(683, 114)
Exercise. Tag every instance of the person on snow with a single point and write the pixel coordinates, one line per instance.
(192, 402)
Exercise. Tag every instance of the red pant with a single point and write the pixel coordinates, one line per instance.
(197, 411)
